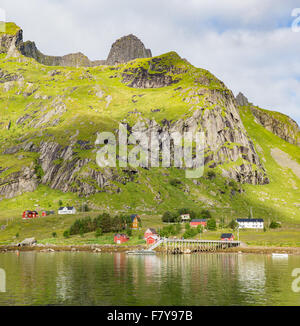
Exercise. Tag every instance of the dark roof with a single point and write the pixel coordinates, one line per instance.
(118, 235)
(69, 208)
(249, 220)
(134, 216)
(226, 235)
(199, 220)
(152, 230)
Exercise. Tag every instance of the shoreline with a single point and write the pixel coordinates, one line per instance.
(123, 249)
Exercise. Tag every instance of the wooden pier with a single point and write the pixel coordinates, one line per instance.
(179, 246)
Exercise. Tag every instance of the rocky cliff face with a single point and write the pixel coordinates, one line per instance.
(126, 49)
(277, 123)
(123, 50)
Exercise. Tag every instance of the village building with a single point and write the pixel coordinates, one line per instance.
(197, 222)
(66, 210)
(135, 221)
(247, 223)
(121, 238)
(30, 214)
(227, 237)
(152, 239)
(46, 213)
(149, 232)
(185, 218)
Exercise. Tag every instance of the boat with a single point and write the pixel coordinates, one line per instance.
(280, 255)
(141, 252)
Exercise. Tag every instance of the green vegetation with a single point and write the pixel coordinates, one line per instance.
(157, 194)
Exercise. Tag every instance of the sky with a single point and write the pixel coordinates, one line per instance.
(253, 46)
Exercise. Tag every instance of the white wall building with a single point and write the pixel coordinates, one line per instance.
(67, 210)
(245, 223)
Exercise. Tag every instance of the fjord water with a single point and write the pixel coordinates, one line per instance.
(69, 278)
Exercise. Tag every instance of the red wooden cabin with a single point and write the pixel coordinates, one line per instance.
(227, 237)
(152, 239)
(149, 232)
(121, 238)
(195, 223)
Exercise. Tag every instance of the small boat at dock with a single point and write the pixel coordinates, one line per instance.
(277, 255)
(141, 252)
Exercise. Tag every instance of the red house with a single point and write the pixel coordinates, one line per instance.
(227, 237)
(121, 238)
(149, 232)
(30, 214)
(152, 239)
(195, 223)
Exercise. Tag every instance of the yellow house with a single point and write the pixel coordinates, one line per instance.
(135, 221)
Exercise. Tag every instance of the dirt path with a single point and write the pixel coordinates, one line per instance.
(284, 160)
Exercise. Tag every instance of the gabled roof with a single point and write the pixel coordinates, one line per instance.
(199, 220)
(253, 220)
(226, 235)
(152, 230)
(134, 216)
(68, 208)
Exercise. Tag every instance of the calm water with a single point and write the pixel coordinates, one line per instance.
(117, 279)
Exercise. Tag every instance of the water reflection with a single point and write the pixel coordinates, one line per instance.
(118, 279)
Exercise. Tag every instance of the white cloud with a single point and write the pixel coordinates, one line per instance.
(248, 44)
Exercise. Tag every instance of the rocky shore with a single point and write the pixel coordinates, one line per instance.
(124, 248)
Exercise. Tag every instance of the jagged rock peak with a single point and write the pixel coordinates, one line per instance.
(241, 99)
(127, 48)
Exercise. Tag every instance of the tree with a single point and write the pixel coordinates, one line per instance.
(233, 224)
(211, 224)
(168, 217)
(205, 213)
(105, 223)
(60, 203)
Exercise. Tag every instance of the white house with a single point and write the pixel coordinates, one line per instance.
(67, 210)
(185, 217)
(245, 223)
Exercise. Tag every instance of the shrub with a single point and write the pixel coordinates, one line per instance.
(54, 234)
(17, 235)
(175, 182)
(200, 229)
(60, 203)
(66, 234)
(211, 174)
(211, 224)
(274, 225)
(129, 232)
(98, 232)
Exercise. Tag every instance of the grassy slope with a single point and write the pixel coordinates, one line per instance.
(88, 114)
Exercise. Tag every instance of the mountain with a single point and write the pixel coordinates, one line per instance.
(50, 118)
(279, 124)
(123, 50)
